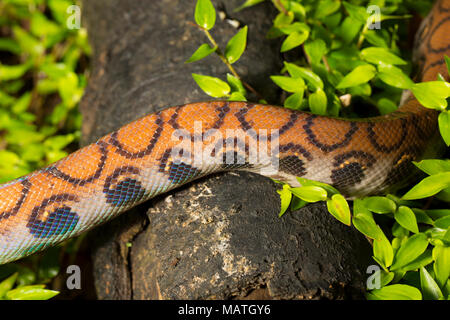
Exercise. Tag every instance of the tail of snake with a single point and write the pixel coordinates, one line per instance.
(160, 151)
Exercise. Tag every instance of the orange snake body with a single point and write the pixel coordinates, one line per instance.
(156, 153)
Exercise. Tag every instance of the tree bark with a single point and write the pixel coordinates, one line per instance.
(219, 237)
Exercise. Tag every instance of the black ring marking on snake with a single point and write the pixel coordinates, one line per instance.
(240, 116)
(441, 49)
(26, 185)
(125, 191)
(371, 135)
(81, 182)
(350, 172)
(293, 165)
(328, 147)
(44, 224)
(148, 149)
(296, 148)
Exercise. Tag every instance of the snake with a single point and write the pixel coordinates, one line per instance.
(172, 147)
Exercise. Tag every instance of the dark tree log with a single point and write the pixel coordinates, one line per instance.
(219, 237)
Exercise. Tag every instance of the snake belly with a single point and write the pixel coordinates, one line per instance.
(157, 153)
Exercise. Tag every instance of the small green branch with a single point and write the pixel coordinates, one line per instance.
(362, 36)
(225, 60)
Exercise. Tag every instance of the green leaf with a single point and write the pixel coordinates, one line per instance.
(237, 96)
(293, 40)
(430, 289)
(316, 49)
(386, 106)
(203, 51)
(432, 94)
(410, 250)
(59, 10)
(326, 7)
(394, 77)
(310, 193)
(298, 10)
(297, 203)
(395, 292)
(205, 14)
(442, 264)
(373, 38)
(444, 126)
(433, 166)
(289, 84)
(406, 218)
(212, 86)
(359, 208)
(310, 77)
(236, 45)
(27, 42)
(338, 207)
(7, 44)
(12, 72)
(438, 213)
(68, 89)
(398, 231)
(381, 56)
(446, 237)
(349, 29)
(361, 90)
(385, 277)
(361, 74)
(382, 250)
(443, 222)
(294, 101)
(7, 284)
(447, 62)
(306, 182)
(366, 226)
(285, 197)
(236, 84)
(422, 216)
(22, 104)
(299, 27)
(380, 204)
(318, 102)
(35, 292)
(421, 261)
(247, 3)
(358, 13)
(429, 186)
(283, 20)
(40, 26)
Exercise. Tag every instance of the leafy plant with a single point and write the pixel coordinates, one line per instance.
(43, 71)
(346, 65)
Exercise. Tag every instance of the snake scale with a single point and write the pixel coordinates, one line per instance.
(161, 151)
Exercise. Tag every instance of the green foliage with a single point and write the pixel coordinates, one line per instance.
(26, 280)
(344, 65)
(236, 46)
(202, 52)
(40, 85)
(42, 78)
(212, 86)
